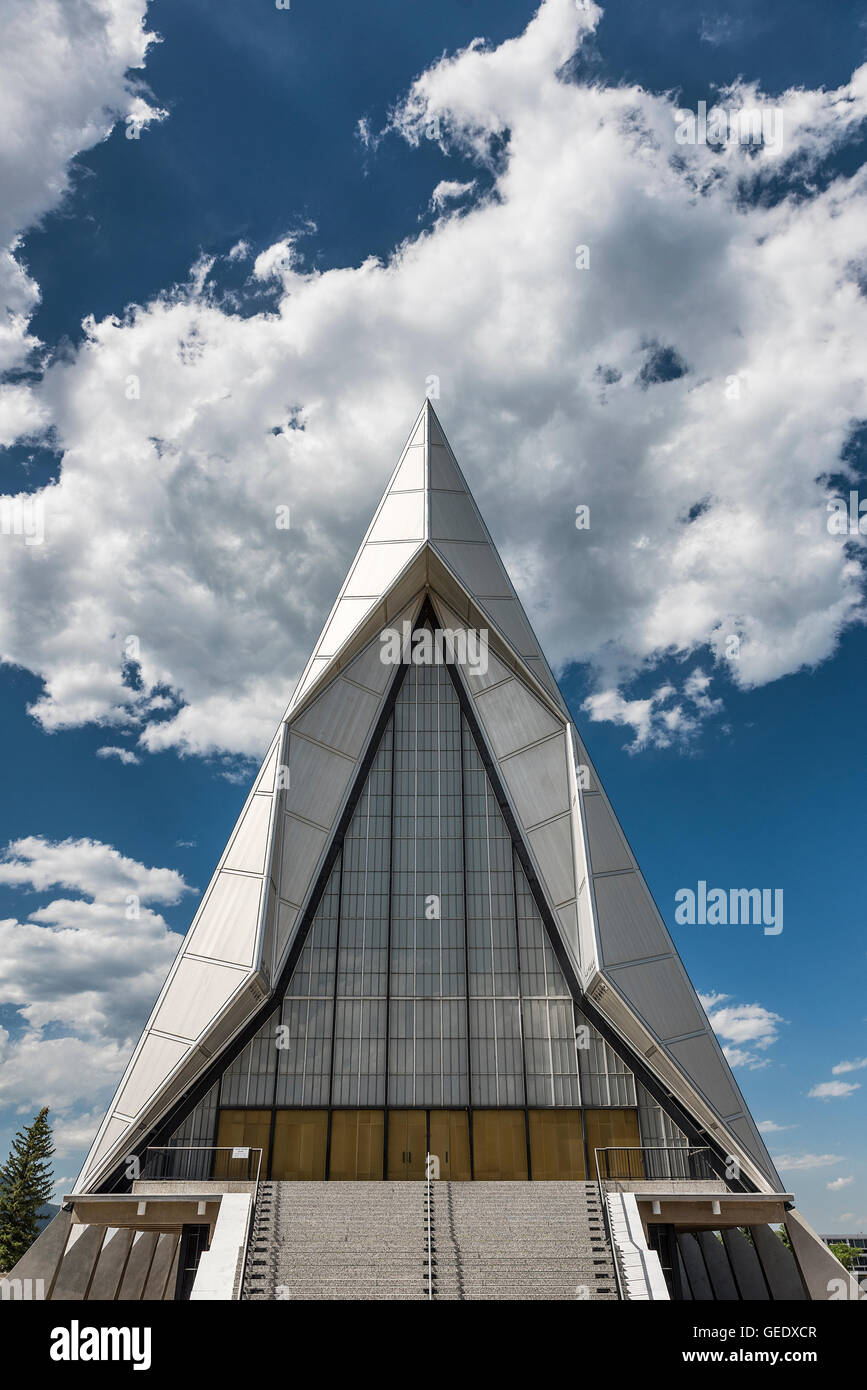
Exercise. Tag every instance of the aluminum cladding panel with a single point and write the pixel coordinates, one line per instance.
(156, 1059)
(199, 990)
(538, 782)
(513, 718)
(659, 993)
(607, 846)
(228, 920)
(318, 780)
(629, 928)
(340, 717)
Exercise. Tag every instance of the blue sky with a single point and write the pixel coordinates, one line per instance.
(317, 215)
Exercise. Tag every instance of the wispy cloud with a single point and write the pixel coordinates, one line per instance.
(123, 755)
(805, 1162)
(742, 1028)
(857, 1065)
(833, 1090)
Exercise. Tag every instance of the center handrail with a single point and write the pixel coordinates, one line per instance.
(429, 1204)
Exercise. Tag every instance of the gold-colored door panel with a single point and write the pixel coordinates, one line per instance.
(407, 1143)
(356, 1145)
(499, 1146)
(450, 1143)
(241, 1129)
(557, 1145)
(615, 1129)
(300, 1138)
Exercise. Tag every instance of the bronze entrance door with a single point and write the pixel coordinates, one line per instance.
(557, 1145)
(407, 1143)
(449, 1142)
(499, 1146)
(300, 1139)
(615, 1130)
(444, 1134)
(249, 1129)
(356, 1144)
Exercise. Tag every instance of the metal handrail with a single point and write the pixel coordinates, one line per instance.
(606, 1216)
(178, 1149)
(186, 1149)
(429, 1200)
(693, 1158)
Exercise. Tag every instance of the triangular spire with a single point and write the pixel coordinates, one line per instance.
(427, 510)
(427, 544)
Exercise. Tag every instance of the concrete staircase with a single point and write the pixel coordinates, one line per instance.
(520, 1241)
(489, 1240)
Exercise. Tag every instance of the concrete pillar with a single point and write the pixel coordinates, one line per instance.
(745, 1266)
(778, 1265)
(821, 1271)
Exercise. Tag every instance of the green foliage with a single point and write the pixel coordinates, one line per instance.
(784, 1237)
(26, 1183)
(846, 1254)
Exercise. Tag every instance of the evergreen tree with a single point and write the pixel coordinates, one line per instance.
(26, 1183)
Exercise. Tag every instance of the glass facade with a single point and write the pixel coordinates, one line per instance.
(427, 982)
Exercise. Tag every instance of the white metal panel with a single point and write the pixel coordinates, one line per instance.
(287, 916)
(568, 916)
(513, 717)
(340, 717)
(318, 779)
(228, 921)
(453, 517)
(657, 991)
(443, 474)
(410, 475)
(349, 614)
(607, 846)
(249, 844)
(302, 846)
(368, 668)
(507, 616)
(538, 782)
(156, 1059)
(552, 847)
(378, 566)
(265, 780)
(700, 1060)
(587, 953)
(477, 568)
(111, 1133)
(591, 781)
(198, 992)
(496, 672)
(401, 518)
(629, 928)
(745, 1131)
(539, 667)
(310, 676)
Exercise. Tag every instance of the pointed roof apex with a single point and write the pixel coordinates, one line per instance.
(427, 507)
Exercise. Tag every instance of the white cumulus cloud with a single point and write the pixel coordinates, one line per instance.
(611, 387)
